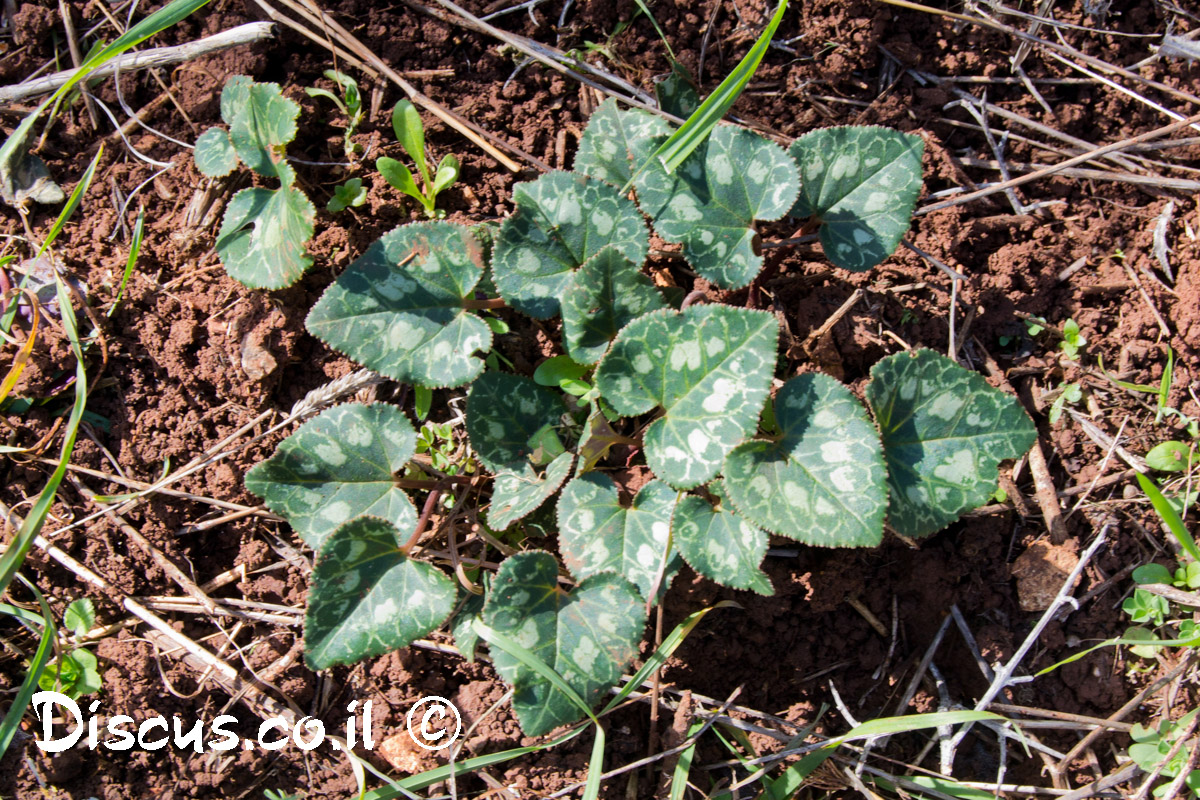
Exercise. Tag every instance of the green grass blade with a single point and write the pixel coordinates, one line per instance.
(792, 779)
(134, 249)
(912, 722)
(1193, 642)
(695, 130)
(662, 653)
(684, 765)
(591, 789)
(29, 685)
(658, 29)
(510, 646)
(1169, 516)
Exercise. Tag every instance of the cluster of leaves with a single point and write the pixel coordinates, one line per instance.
(410, 132)
(687, 386)
(76, 671)
(1152, 749)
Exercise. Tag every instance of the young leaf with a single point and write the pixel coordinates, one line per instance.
(1169, 456)
(446, 175)
(945, 431)
(261, 121)
(368, 598)
(710, 204)
(214, 153)
(350, 193)
(462, 626)
(616, 141)
(597, 534)
(399, 310)
(607, 293)
(262, 236)
(560, 222)
(506, 416)
(708, 367)
(587, 637)
(400, 178)
(556, 370)
(518, 493)
(410, 132)
(80, 616)
(338, 466)
(862, 181)
(823, 481)
(721, 545)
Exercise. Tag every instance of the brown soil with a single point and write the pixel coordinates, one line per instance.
(192, 357)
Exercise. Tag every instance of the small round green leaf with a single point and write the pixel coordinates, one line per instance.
(721, 545)
(597, 534)
(863, 182)
(507, 417)
(1169, 457)
(561, 220)
(214, 153)
(368, 598)
(516, 494)
(338, 466)
(823, 481)
(945, 431)
(262, 237)
(710, 203)
(616, 142)
(399, 310)
(607, 293)
(708, 367)
(587, 636)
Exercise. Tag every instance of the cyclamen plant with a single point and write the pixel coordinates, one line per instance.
(687, 387)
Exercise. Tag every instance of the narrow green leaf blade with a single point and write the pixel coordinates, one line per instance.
(823, 482)
(338, 466)
(368, 598)
(708, 367)
(561, 220)
(862, 181)
(214, 153)
(721, 545)
(410, 132)
(263, 234)
(944, 433)
(597, 534)
(607, 293)
(506, 414)
(399, 310)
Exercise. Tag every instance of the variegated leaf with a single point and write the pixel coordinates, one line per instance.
(518, 493)
(262, 236)
(616, 142)
(608, 292)
(721, 545)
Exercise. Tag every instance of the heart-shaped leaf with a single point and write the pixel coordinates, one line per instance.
(597, 534)
(262, 237)
(337, 466)
(261, 122)
(710, 203)
(562, 220)
(214, 153)
(368, 598)
(721, 545)
(616, 142)
(516, 494)
(508, 417)
(587, 636)
(608, 292)
(399, 309)
(863, 182)
(708, 367)
(945, 431)
(823, 481)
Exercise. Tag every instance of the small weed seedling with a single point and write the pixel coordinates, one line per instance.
(410, 132)
(682, 390)
(1072, 340)
(76, 672)
(1067, 393)
(350, 193)
(350, 104)
(1152, 747)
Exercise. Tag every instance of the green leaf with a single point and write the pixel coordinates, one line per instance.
(368, 598)
(80, 616)
(518, 493)
(561, 221)
(1169, 457)
(350, 193)
(338, 466)
(506, 419)
(587, 636)
(607, 293)
(863, 182)
(262, 237)
(676, 93)
(945, 431)
(400, 178)
(823, 481)
(446, 175)
(556, 370)
(1151, 573)
(214, 153)
(1169, 516)
(399, 310)
(462, 627)
(710, 204)
(410, 132)
(597, 534)
(616, 141)
(708, 367)
(261, 122)
(721, 545)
